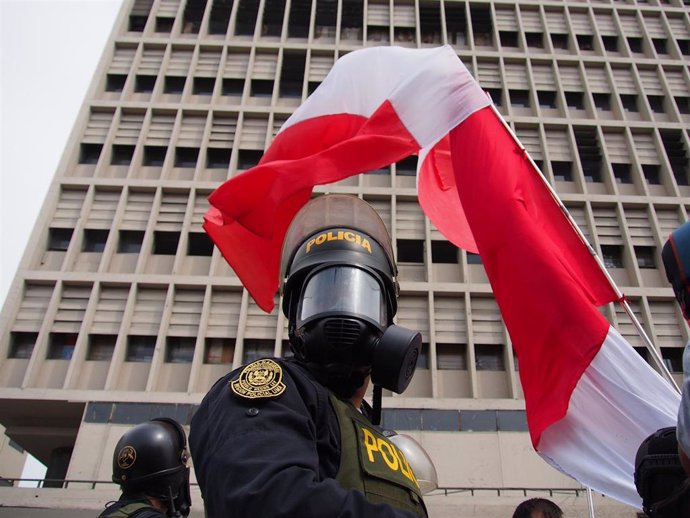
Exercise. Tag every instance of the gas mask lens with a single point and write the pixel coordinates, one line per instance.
(343, 290)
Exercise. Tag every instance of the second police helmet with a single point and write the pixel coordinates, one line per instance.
(151, 459)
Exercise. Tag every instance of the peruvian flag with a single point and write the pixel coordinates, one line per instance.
(591, 400)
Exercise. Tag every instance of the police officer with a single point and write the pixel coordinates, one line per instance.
(659, 477)
(150, 465)
(293, 437)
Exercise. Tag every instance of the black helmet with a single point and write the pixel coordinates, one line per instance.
(151, 458)
(340, 296)
(659, 476)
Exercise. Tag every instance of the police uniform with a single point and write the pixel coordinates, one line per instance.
(270, 440)
(131, 507)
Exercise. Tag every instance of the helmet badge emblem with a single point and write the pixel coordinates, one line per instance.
(126, 457)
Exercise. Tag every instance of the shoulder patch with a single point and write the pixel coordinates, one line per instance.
(261, 379)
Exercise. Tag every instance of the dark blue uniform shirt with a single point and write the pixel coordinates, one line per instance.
(274, 456)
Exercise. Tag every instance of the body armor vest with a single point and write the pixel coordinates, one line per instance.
(372, 464)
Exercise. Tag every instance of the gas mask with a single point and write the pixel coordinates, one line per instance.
(340, 296)
(341, 324)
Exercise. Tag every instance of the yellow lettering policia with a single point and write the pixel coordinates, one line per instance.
(340, 235)
(379, 447)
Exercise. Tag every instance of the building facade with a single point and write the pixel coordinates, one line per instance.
(122, 309)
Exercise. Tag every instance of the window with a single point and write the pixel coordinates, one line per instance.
(165, 242)
(22, 344)
(562, 170)
(683, 104)
(451, 356)
(478, 421)
(406, 166)
(684, 46)
(94, 240)
(232, 86)
(651, 173)
(89, 153)
(547, 99)
(602, 101)
(164, 24)
(656, 102)
(519, 98)
(179, 349)
(61, 345)
(444, 252)
(660, 45)
(261, 88)
(140, 348)
(610, 43)
(219, 350)
(622, 173)
(673, 358)
(101, 347)
(629, 102)
(59, 238)
(574, 100)
(203, 85)
(645, 257)
(129, 241)
(474, 258)
(635, 44)
(559, 41)
(534, 40)
(585, 41)
(489, 357)
(255, 348)
(217, 158)
(410, 250)
(174, 84)
(144, 84)
(115, 82)
(508, 38)
(137, 23)
(612, 255)
(496, 95)
(292, 74)
(122, 154)
(154, 155)
(199, 244)
(186, 156)
(248, 158)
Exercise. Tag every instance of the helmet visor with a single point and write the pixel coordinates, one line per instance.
(343, 289)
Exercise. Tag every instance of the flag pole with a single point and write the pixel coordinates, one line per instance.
(590, 502)
(621, 298)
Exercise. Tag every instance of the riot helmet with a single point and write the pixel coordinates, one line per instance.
(675, 255)
(151, 459)
(659, 476)
(340, 296)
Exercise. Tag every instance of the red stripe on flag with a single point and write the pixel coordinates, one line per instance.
(545, 281)
(257, 206)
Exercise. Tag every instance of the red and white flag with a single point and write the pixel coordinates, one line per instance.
(590, 398)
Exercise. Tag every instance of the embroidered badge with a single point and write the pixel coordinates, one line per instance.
(258, 380)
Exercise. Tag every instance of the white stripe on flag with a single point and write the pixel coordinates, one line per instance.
(618, 402)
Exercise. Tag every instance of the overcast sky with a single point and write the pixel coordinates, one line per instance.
(49, 50)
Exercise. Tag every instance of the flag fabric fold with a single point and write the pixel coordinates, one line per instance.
(584, 385)
(375, 107)
(590, 398)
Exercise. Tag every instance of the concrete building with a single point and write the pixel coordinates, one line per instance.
(122, 310)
